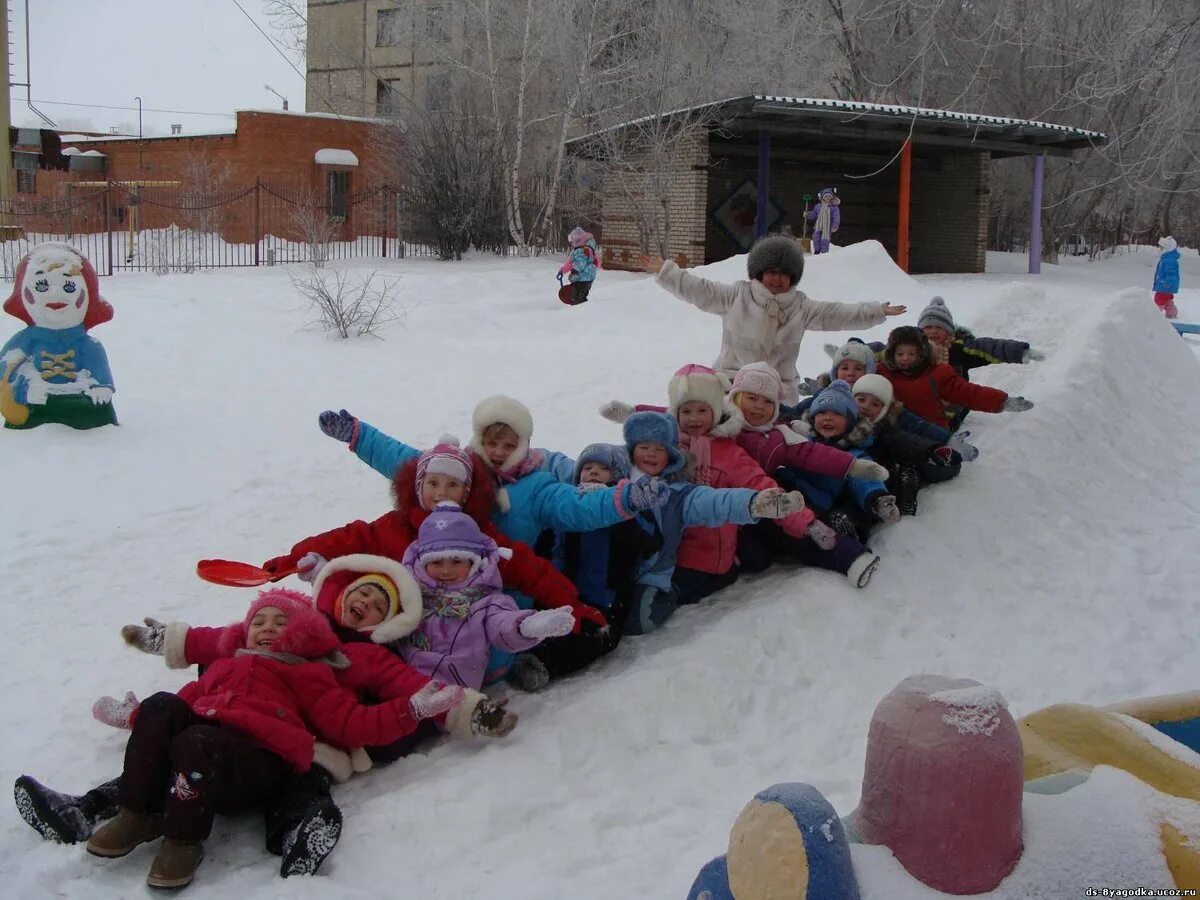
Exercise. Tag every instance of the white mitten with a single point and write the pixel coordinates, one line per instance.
(775, 503)
(434, 699)
(885, 507)
(310, 566)
(868, 470)
(100, 395)
(616, 411)
(547, 623)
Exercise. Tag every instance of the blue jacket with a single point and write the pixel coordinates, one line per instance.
(583, 262)
(823, 491)
(909, 421)
(1166, 276)
(74, 347)
(603, 564)
(539, 501)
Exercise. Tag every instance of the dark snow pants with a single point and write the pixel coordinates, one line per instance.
(572, 652)
(764, 542)
(187, 770)
(301, 795)
(692, 585)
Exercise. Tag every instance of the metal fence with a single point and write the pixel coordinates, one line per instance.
(124, 226)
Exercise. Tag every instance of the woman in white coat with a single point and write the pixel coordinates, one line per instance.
(764, 319)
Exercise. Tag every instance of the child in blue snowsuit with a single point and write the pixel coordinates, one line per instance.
(581, 264)
(1166, 277)
(850, 505)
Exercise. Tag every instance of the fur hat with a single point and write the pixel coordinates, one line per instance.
(343, 573)
(612, 456)
(856, 350)
(907, 334)
(1168, 244)
(835, 399)
(510, 412)
(444, 458)
(875, 386)
(937, 313)
(697, 383)
(449, 532)
(778, 252)
(655, 428)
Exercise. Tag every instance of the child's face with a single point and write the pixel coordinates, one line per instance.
(756, 409)
(266, 628)
(650, 458)
(775, 281)
(594, 473)
(499, 443)
(438, 487)
(449, 569)
(936, 334)
(907, 355)
(829, 424)
(695, 418)
(869, 406)
(850, 370)
(364, 606)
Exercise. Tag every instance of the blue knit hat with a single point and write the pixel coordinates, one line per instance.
(656, 428)
(611, 456)
(856, 350)
(836, 399)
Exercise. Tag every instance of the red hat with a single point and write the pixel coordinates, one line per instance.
(99, 310)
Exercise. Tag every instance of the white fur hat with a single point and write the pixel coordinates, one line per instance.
(336, 574)
(875, 386)
(697, 383)
(506, 410)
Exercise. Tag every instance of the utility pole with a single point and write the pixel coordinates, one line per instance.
(5, 115)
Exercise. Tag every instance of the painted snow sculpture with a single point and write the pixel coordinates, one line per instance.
(953, 788)
(826, 217)
(53, 370)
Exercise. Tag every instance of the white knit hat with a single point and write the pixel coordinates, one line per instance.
(758, 378)
(875, 386)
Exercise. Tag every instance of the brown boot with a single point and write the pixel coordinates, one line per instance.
(122, 833)
(176, 864)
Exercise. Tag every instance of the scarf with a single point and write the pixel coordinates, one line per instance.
(452, 602)
(531, 463)
(823, 220)
(700, 448)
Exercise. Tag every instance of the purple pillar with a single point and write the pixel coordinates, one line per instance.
(1035, 216)
(764, 183)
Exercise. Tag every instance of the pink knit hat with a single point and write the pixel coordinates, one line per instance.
(758, 378)
(281, 598)
(444, 458)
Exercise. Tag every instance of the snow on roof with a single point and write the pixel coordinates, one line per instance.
(329, 156)
(92, 153)
(70, 151)
(319, 115)
(72, 138)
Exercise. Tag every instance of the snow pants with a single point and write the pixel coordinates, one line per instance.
(692, 585)
(579, 292)
(1166, 302)
(301, 795)
(765, 542)
(186, 769)
(567, 654)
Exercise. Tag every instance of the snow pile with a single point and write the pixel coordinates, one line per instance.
(1054, 568)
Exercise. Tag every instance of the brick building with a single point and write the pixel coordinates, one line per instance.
(754, 163)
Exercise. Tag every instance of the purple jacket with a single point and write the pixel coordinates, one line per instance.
(460, 623)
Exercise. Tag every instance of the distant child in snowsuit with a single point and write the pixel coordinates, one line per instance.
(226, 742)
(912, 460)
(851, 505)
(1166, 277)
(581, 264)
(927, 387)
(765, 318)
(784, 454)
(465, 610)
(827, 216)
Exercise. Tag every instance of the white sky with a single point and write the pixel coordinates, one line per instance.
(202, 56)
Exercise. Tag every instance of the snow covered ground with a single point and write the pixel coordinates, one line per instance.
(1060, 567)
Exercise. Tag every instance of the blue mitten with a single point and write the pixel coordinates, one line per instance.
(340, 426)
(646, 493)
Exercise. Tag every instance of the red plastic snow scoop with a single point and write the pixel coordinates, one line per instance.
(238, 574)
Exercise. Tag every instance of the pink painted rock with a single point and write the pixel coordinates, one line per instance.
(943, 781)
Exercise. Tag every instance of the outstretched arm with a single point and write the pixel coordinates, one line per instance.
(709, 296)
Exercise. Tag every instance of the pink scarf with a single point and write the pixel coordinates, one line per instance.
(531, 463)
(700, 448)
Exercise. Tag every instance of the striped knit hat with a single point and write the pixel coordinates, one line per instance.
(444, 458)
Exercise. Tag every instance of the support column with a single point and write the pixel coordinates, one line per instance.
(905, 194)
(1035, 216)
(764, 183)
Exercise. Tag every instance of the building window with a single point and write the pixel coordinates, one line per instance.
(389, 97)
(387, 28)
(26, 181)
(437, 93)
(437, 24)
(337, 195)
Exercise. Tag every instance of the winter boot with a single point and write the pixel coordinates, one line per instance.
(176, 864)
(122, 833)
(529, 673)
(1170, 310)
(839, 520)
(306, 846)
(56, 817)
(909, 484)
(862, 569)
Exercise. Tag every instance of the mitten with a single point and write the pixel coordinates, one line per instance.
(1017, 404)
(565, 268)
(148, 639)
(802, 427)
(944, 456)
(434, 699)
(868, 470)
(588, 486)
(808, 387)
(616, 411)
(100, 395)
(646, 493)
(310, 566)
(885, 507)
(547, 623)
(775, 503)
(585, 613)
(491, 719)
(340, 426)
(959, 444)
(115, 713)
(1033, 355)
(823, 536)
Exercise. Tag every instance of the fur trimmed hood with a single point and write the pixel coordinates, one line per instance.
(480, 498)
(307, 638)
(338, 573)
(908, 334)
(509, 411)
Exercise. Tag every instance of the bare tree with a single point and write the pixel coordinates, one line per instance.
(316, 227)
(348, 305)
(289, 19)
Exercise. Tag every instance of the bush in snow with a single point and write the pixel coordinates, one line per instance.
(169, 249)
(350, 306)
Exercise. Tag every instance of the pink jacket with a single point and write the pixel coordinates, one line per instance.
(772, 449)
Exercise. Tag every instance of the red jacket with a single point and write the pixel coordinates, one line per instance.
(274, 702)
(925, 392)
(391, 533)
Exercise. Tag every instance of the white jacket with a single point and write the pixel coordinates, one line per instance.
(758, 326)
